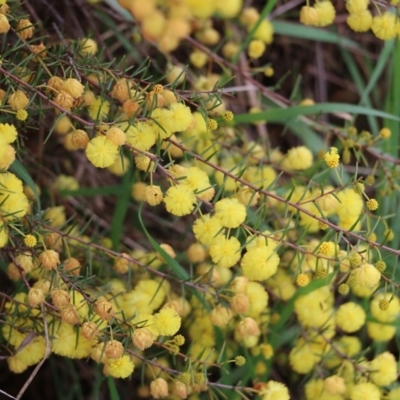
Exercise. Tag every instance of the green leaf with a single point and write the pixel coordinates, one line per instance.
(18, 169)
(283, 114)
(291, 29)
(121, 209)
(112, 389)
(172, 263)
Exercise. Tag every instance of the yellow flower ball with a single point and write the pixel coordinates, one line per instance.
(225, 252)
(8, 133)
(383, 369)
(141, 136)
(256, 49)
(120, 368)
(384, 26)
(326, 12)
(350, 317)
(206, 228)
(298, 158)
(274, 391)
(361, 21)
(356, 6)
(309, 16)
(179, 200)
(99, 108)
(101, 152)
(259, 263)
(366, 275)
(167, 322)
(365, 390)
(230, 212)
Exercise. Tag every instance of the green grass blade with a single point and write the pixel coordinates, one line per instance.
(173, 264)
(18, 169)
(291, 29)
(112, 388)
(121, 209)
(283, 114)
(359, 82)
(391, 145)
(377, 72)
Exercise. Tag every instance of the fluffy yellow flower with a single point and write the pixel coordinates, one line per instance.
(274, 391)
(391, 313)
(384, 26)
(101, 152)
(206, 228)
(230, 212)
(332, 158)
(315, 308)
(67, 342)
(13, 202)
(167, 322)
(177, 118)
(304, 356)
(361, 21)
(8, 133)
(298, 158)
(366, 391)
(7, 155)
(256, 49)
(99, 108)
(258, 299)
(326, 12)
(179, 200)
(356, 6)
(350, 317)
(120, 368)
(383, 369)
(309, 16)
(141, 135)
(366, 275)
(264, 32)
(380, 332)
(225, 252)
(259, 263)
(350, 204)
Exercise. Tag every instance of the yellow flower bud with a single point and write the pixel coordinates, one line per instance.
(142, 338)
(60, 297)
(114, 349)
(49, 259)
(159, 388)
(69, 314)
(35, 297)
(18, 100)
(154, 195)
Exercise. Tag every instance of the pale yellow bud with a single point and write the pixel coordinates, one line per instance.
(73, 87)
(114, 349)
(142, 338)
(240, 303)
(159, 388)
(18, 100)
(104, 310)
(60, 297)
(35, 297)
(90, 330)
(69, 314)
(247, 327)
(49, 259)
